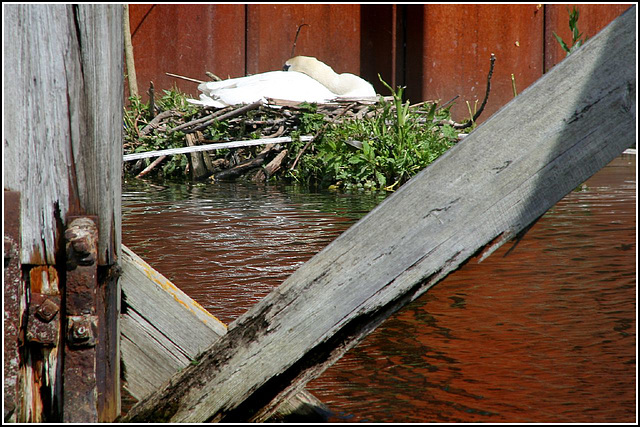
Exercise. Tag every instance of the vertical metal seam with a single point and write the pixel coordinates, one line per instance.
(544, 39)
(246, 39)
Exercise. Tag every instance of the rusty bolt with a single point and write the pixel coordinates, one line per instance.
(81, 239)
(47, 310)
(81, 331)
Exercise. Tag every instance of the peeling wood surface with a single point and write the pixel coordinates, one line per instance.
(63, 121)
(13, 304)
(497, 181)
(63, 153)
(154, 343)
(163, 329)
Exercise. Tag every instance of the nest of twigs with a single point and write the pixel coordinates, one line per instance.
(275, 119)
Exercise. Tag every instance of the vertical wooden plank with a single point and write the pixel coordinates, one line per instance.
(99, 157)
(186, 40)
(332, 35)
(63, 142)
(98, 170)
(43, 71)
(68, 158)
(593, 18)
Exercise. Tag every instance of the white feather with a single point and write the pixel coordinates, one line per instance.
(307, 80)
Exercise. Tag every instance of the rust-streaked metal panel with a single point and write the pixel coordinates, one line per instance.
(186, 40)
(332, 35)
(43, 322)
(12, 296)
(79, 367)
(457, 42)
(381, 47)
(593, 18)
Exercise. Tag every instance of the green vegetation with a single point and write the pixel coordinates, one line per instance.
(576, 36)
(138, 115)
(381, 147)
(379, 151)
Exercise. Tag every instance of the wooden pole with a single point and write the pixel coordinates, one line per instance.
(478, 195)
(128, 51)
(63, 152)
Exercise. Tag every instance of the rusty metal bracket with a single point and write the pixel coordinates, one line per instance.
(82, 331)
(80, 379)
(41, 327)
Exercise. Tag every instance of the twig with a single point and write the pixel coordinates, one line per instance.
(295, 40)
(184, 78)
(200, 120)
(486, 97)
(153, 124)
(295, 162)
(213, 76)
(446, 104)
(230, 114)
(128, 50)
(149, 168)
(152, 100)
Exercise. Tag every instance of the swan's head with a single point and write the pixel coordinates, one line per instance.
(340, 84)
(311, 67)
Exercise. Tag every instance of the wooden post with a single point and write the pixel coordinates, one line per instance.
(480, 194)
(63, 154)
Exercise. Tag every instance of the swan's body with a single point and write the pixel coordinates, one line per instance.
(306, 80)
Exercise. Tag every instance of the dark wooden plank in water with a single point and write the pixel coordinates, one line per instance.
(483, 192)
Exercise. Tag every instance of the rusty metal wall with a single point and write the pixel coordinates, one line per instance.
(186, 40)
(453, 56)
(437, 51)
(332, 34)
(593, 18)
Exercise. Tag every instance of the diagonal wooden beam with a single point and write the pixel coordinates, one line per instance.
(501, 178)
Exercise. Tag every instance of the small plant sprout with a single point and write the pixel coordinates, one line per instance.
(576, 36)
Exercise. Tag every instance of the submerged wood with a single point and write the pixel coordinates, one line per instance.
(242, 168)
(197, 167)
(154, 343)
(480, 194)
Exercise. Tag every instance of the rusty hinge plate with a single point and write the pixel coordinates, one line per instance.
(80, 384)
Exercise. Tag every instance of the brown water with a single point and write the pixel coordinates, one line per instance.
(545, 334)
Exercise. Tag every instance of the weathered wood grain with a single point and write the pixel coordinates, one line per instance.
(492, 185)
(163, 331)
(63, 121)
(63, 153)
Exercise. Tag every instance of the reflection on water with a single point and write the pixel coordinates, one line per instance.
(545, 334)
(228, 245)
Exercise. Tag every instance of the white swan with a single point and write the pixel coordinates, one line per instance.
(345, 85)
(305, 79)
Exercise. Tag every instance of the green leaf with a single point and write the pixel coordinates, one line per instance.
(562, 43)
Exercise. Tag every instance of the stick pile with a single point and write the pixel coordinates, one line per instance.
(275, 119)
